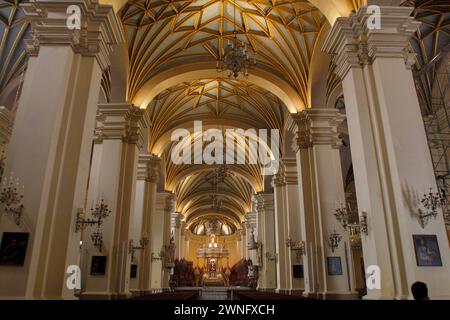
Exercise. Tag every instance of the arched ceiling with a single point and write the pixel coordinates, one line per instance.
(163, 35)
(219, 102)
(214, 190)
(13, 30)
(434, 33)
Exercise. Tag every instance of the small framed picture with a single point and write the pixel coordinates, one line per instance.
(427, 250)
(98, 266)
(298, 271)
(334, 266)
(13, 248)
(133, 271)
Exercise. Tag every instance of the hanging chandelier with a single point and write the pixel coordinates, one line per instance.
(236, 58)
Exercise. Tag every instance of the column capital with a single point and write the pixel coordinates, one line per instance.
(318, 126)
(278, 179)
(99, 28)
(176, 220)
(170, 203)
(263, 201)
(121, 121)
(149, 168)
(353, 43)
(6, 124)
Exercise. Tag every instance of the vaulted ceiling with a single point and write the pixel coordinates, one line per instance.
(166, 34)
(13, 30)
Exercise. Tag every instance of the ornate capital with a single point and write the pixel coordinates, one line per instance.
(99, 28)
(120, 121)
(149, 168)
(278, 179)
(263, 202)
(176, 220)
(317, 126)
(170, 203)
(353, 44)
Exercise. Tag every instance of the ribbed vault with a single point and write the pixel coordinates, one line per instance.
(13, 30)
(163, 35)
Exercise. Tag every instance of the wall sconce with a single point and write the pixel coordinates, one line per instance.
(296, 246)
(343, 215)
(142, 244)
(431, 202)
(11, 199)
(271, 256)
(159, 256)
(333, 240)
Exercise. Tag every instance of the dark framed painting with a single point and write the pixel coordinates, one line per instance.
(13, 248)
(98, 266)
(427, 250)
(334, 266)
(298, 271)
(133, 271)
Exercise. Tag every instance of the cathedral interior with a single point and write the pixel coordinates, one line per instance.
(297, 149)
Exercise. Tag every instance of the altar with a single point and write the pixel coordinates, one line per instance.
(213, 253)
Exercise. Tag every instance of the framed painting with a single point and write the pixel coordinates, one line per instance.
(298, 271)
(334, 266)
(427, 250)
(133, 271)
(13, 248)
(98, 266)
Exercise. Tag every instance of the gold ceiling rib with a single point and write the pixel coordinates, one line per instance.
(164, 34)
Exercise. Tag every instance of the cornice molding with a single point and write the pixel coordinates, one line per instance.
(100, 28)
(317, 126)
(120, 121)
(149, 168)
(353, 44)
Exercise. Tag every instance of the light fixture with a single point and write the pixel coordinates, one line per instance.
(431, 202)
(100, 212)
(143, 242)
(333, 240)
(236, 58)
(298, 247)
(11, 199)
(343, 215)
(159, 256)
(271, 256)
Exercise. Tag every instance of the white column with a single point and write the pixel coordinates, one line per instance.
(266, 236)
(176, 231)
(282, 262)
(390, 154)
(119, 136)
(292, 221)
(157, 241)
(51, 140)
(168, 240)
(149, 171)
(321, 190)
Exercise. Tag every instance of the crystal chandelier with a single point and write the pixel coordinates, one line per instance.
(236, 58)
